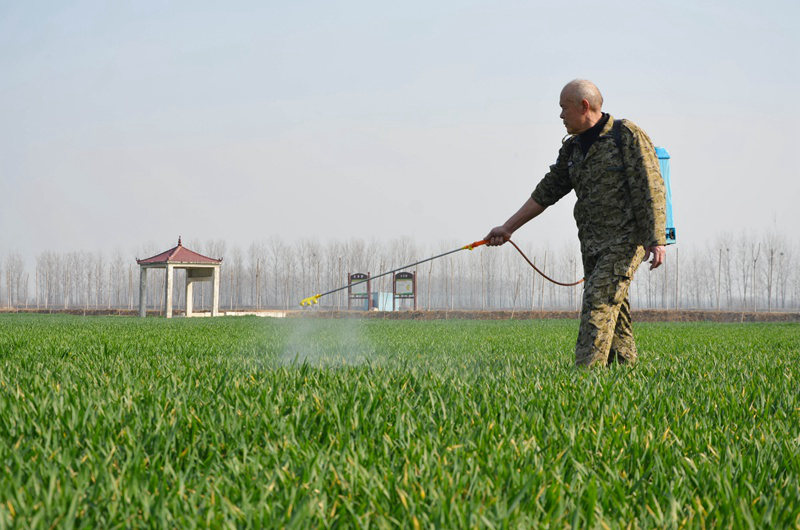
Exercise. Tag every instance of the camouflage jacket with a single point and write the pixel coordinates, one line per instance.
(618, 203)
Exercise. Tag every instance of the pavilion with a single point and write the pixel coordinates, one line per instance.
(199, 268)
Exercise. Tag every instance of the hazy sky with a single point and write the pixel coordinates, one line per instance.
(128, 123)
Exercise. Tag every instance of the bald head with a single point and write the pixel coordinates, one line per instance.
(579, 89)
(580, 104)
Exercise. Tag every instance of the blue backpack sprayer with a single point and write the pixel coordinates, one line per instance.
(663, 163)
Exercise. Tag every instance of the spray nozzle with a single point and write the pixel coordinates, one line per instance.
(311, 300)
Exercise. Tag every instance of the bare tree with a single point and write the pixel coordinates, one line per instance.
(99, 274)
(14, 271)
(254, 271)
(783, 273)
(24, 289)
(277, 255)
(754, 255)
(772, 242)
(237, 270)
(728, 277)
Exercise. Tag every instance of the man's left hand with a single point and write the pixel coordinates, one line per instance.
(658, 252)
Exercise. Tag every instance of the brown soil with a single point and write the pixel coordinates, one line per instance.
(645, 315)
(84, 312)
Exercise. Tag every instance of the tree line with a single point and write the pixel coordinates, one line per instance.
(752, 272)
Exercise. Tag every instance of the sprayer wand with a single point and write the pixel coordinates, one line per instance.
(311, 300)
(314, 299)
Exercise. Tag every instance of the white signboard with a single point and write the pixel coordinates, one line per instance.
(358, 287)
(404, 287)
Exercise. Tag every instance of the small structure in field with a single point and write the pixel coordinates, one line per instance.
(199, 268)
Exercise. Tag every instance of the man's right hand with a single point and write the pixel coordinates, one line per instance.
(497, 236)
(658, 252)
(500, 234)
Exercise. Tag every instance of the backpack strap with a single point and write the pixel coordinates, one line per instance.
(616, 132)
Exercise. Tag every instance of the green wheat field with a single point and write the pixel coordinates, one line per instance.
(246, 422)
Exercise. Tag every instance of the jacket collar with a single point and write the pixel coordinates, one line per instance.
(607, 129)
(604, 133)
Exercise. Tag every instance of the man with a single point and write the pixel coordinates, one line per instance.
(620, 214)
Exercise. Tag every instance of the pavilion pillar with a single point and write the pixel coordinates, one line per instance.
(215, 292)
(189, 300)
(168, 292)
(142, 292)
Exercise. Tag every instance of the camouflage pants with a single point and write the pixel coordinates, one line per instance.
(605, 334)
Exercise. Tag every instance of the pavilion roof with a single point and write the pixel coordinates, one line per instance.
(178, 254)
